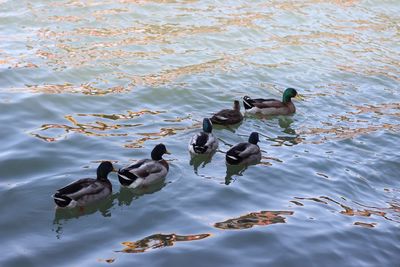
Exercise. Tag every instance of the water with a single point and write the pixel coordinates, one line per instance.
(86, 81)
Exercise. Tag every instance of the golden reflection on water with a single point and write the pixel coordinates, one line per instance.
(86, 89)
(129, 114)
(261, 218)
(378, 109)
(158, 241)
(52, 132)
(80, 44)
(351, 125)
(96, 128)
(388, 213)
(164, 131)
(365, 225)
(347, 132)
(110, 260)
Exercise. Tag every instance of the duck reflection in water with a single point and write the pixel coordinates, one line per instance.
(63, 215)
(284, 123)
(242, 155)
(125, 196)
(202, 160)
(292, 138)
(232, 170)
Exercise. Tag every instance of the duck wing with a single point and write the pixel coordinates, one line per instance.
(200, 142)
(241, 152)
(268, 103)
(75, 186)
(250, 149)
(233, 154)
(149, 168)
(227, 116)
(130, 171)
(80, 188)
(142, 169)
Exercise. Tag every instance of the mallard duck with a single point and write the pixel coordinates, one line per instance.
(146, 171)
(245, 153)
(228, 116)
(271, 106)
(205, 141)
(86, 191)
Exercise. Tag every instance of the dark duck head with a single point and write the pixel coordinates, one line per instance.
(253, 138)
(104, 169)
(236, 105)
(158, 151)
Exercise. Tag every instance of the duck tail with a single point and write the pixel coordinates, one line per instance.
(199, 145)
(125, 177)
(61, 201)
(199, 149)
(248, 102)
(232, 159)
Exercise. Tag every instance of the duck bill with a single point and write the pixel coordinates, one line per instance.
(114, 170)
(167, 152)
(299, 97)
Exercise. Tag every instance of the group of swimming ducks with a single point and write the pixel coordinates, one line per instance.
(149, 171)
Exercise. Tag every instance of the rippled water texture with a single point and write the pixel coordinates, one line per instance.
(86, 81)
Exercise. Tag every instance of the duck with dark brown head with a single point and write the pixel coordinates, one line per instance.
(228, 116)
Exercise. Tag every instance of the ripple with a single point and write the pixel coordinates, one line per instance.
(71, 71)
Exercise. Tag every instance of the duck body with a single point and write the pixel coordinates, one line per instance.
(245, 153)
(228, 116)
(271, 106)
(204, 142)
(85, 191)
(146, 171)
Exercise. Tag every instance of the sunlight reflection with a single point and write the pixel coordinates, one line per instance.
(388, 213)
(261, 218)
(158, 241)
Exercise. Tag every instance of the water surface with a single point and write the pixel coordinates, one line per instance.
(86, 81)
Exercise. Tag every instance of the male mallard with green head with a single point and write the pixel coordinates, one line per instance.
(86, 191)
(271, 106)
(203, 142)
(228, 116)
(146, 171)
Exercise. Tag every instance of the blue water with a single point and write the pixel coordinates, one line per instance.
(86, 81)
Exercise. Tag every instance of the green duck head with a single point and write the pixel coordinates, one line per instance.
(207, 125)
(288, 94)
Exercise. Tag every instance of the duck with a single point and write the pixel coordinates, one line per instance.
(228, 116)
(86, 191)
(246, 153)
(203, 143)
(145, 171)
(271, 106)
